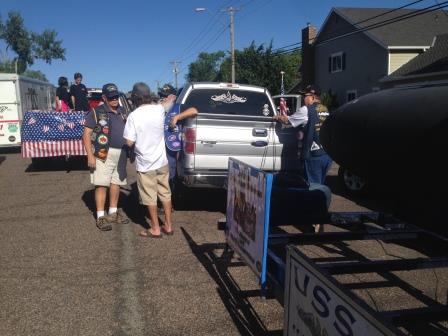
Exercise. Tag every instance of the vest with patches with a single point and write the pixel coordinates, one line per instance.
(100, 136)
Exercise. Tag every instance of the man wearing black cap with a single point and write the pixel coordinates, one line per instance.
(164, 92)
(316, 160)
(106, 155)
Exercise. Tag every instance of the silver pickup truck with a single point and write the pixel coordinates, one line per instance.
(234, 120)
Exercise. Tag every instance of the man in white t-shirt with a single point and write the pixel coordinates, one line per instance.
(145, 130)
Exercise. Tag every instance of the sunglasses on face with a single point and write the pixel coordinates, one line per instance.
(112, 98)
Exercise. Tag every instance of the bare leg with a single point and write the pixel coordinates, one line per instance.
(155, 227)
(167, 208)
(100, 198)
(114, 193)
(318, 228)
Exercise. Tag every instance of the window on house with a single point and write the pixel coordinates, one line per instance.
(351, 95)
(336, 62)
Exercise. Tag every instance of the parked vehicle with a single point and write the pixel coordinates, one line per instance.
(94, 97)
(234, 120)
(19, 94)
(293, 102)
(393, 138)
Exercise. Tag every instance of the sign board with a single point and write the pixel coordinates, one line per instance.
(316, 305)
(248, 204)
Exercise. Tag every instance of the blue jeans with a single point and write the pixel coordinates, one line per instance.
(316, 168)
(172, 163)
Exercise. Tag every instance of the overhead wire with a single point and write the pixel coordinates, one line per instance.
(207, 29)
(395, 19)
(392, 20)
(359, 22)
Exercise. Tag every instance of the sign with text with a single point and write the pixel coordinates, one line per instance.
(315, 305)
(248, 200)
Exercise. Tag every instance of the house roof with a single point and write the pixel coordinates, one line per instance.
(417, 31)
(433, 60)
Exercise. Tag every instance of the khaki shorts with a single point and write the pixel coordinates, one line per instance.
(112, 171)
(154, 183)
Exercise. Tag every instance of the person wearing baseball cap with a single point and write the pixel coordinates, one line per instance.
(164, 92)
(316, 160)
(106, 155)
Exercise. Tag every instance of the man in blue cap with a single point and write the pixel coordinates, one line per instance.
(106, 155)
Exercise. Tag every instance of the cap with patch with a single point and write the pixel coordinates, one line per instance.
(310, 89)
(110, 90)
(167, 90)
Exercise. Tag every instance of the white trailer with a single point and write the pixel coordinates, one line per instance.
(19, 94)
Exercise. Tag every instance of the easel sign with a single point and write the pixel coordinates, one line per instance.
(248, 204)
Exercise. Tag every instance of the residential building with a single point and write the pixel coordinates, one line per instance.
(356, 47)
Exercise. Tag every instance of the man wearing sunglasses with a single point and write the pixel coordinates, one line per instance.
(106, 155)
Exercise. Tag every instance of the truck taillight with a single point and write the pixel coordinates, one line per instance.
(190, 140)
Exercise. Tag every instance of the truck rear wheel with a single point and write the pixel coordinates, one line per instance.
(352, 183)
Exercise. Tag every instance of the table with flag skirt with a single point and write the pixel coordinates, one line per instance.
(46, 134)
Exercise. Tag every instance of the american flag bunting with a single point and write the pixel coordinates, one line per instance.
(47, 134)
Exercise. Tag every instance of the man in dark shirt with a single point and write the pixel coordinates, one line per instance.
(78, 94)
(106, 155)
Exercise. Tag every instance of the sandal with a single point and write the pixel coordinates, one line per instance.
(168, 233)
(148, 234)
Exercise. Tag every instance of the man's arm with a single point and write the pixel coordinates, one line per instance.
(91, 161)
(188, 113)
(130, 143)
(129, 133)
(300, 117)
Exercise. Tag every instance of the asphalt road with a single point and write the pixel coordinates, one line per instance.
(59, 275)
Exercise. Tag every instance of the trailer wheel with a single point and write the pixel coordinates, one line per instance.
(351, 182)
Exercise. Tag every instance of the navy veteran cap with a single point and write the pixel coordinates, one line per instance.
(110, 90)
(166, 90)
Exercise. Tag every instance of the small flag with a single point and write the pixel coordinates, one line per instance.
(71, 124)
(45, 128)
(61, 127)
(31, 121)
(82, 121)
(283, 107)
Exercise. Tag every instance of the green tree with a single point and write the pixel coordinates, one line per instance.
(259, 65)
(206, 68)
(27, 45)
(35, 74)
(256, 65)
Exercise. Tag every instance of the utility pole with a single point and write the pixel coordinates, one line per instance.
(175, 71)
(232, 12)
(158, 84)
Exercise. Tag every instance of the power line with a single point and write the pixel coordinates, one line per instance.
(390, 21)
(362, 21)
(379, 24)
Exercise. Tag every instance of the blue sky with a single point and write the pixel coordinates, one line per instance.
(130, 41)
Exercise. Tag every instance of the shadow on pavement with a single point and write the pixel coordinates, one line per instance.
(131, 206)
(128, 201)
(57, 163)
(422, 208)
(201, 200)
(235, 300)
